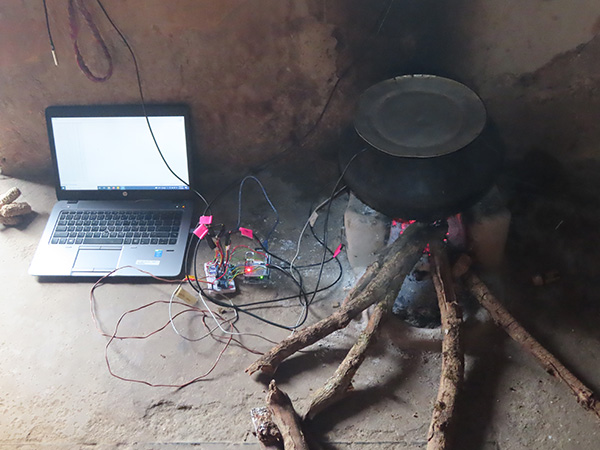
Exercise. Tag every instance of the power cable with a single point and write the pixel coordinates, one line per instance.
(52, 48)
(376, 29)
(143, 104)
(239, 220)
(194, 284)
(325, 225)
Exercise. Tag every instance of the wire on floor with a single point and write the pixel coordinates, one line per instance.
(227, 326)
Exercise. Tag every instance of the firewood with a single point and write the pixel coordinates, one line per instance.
(442, 421)
(265, 429)
(461, 266)
(384, 276)
(286, 419)
(340, 383)
(10, 196)
(15, 209)
(585, 396)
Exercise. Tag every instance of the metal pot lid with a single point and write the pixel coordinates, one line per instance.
(419, 116)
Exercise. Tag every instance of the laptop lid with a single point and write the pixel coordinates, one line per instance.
(108, 152)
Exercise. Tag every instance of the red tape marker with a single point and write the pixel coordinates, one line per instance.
(201, 231)
(247, 232)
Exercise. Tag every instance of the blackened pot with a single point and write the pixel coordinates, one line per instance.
(423, 189)
(422, 148)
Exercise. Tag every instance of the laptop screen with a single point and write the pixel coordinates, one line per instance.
(116, 152)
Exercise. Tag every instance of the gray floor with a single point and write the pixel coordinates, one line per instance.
(56, 391)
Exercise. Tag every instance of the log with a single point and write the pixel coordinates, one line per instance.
(384, 276)
(265, 429)
(286, 419)
(340, 383)
(10, 196)
(584, 395)
(440, 431)
(15, 209)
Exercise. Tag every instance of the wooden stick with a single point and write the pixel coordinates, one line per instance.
(585, 396)
(10, 196)
(439, 435)
(15, 209)
(382, 277)
(286, 419)
(265, 429)
(340, 383)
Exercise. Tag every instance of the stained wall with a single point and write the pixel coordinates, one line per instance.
(535, 63)
(257, 74)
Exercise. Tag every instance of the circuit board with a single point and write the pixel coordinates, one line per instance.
(256, 266)
(219, 282)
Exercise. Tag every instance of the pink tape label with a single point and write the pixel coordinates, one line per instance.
(337, 251)
(201, 231)
(247, 232)
(205, 220)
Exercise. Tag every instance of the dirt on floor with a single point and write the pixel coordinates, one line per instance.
(58, 393)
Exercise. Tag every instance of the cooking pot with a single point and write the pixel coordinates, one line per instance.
(422, 148)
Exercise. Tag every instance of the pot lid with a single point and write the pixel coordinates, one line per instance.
(419, 116)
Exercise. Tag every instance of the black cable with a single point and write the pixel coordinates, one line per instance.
(52, 48)
(196, 286)
(143, 104)
(280, 299)
(307, 266)
(312, 211)
(256, 316)
(258, 169)
(239, 221)
(302, 295)
(288, 264)
(302, 141)
(325, 225)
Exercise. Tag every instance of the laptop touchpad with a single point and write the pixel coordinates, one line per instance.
(96, 260)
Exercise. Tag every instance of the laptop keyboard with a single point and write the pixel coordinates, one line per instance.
(117, 227)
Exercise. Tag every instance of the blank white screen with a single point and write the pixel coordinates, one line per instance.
(96, 152)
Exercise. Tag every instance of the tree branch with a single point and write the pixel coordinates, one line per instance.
(382, 277)
(585, 396)
(286, 419)
(442, 420)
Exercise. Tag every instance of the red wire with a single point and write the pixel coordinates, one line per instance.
(221, 339)
(101, 281)
(79, 6)
(249, 248)
(147, 383)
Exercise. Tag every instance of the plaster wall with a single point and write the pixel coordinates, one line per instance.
(489, 40)
(535, 64)
(257, 74)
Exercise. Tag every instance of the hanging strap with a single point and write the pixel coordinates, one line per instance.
(76, 6)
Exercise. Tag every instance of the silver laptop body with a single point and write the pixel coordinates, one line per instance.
(119, 204)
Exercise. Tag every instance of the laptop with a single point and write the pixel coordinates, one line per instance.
(118, 203)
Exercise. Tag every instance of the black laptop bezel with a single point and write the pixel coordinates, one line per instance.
(123, 110)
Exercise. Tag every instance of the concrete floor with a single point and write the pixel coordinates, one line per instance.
(56, 392)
